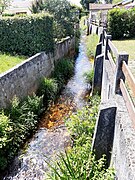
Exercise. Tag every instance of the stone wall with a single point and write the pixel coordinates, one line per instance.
(24, 79)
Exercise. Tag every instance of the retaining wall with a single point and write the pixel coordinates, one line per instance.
(24, 79)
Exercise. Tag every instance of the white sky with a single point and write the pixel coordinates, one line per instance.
(77, 2)
(73, 1)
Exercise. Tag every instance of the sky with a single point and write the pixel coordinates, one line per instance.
(73, 1)
(77, 2)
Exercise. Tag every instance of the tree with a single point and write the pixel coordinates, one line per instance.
(37, 6)
(85, 3)
(4, 4)
(61, 10)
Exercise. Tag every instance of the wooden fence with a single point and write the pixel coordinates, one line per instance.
(123, 81)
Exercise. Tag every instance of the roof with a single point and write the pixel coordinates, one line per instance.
(123, 3)
(21, 3)
(100, 6)
(19, 6)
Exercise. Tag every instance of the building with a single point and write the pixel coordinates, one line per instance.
(19, 7)
(99, 11)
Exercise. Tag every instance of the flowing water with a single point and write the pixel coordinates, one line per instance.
(52, 136)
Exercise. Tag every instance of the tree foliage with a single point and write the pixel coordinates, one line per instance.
(37, 6)
(64, 17)
(4, 4)
(85, 3)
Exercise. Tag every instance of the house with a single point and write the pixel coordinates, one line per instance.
(19, 7)
(124, 4)
(99, 11)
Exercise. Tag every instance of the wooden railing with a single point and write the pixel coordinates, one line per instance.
(124, 81)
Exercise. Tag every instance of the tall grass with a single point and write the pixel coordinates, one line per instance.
(63, 70)
(91, 43)
(89, 76)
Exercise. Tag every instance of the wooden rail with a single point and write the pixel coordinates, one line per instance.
(113, 48)
(129, 77)
(111, 61)
(128, 101)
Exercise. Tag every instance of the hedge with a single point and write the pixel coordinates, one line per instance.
(121, 23)
(27, 35)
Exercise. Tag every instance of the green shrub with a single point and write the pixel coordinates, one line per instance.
(131, 22)
(63, 70)
(49, 90)
(89, 76)
(13, 132)
(118, 22)
(27, 35)
(91, 43)
(6, 129)
(121, 23)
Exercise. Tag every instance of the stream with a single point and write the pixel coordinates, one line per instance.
(52, 136)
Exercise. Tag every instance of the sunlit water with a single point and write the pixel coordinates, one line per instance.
(47, 143)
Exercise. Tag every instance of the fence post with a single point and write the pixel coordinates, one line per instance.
(98, 49)
(98, 73)
(104, 130)
(97, 30)
(88, 24)
(119, 74)
(90, 29)
(107, 46)
(101, 37)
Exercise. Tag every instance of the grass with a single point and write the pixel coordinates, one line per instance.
(8, 61)
(126, 45)
(91, 43)
(116, 1)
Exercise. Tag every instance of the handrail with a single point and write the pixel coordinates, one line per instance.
(128, 101)
(113, 48)
(111, 61)
(129, 77)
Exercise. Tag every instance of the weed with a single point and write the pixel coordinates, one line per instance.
(89, 77)
(63, 71)
(91, 43)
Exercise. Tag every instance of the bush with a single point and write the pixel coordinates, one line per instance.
(17, 125)
(89, 77)
(118, 22)
(63, 70)
(91, 43)
(121, 23)
(48, 89)
(27, 35)
(6, 129)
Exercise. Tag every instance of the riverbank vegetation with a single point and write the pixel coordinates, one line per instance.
(79, 162)
(19, 121)
(91, 43)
